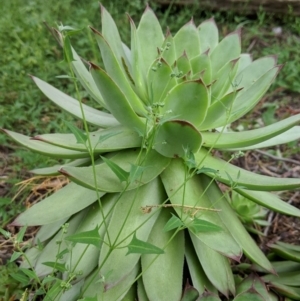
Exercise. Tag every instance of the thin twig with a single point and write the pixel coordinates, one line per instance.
(147, 209)
(278, 158)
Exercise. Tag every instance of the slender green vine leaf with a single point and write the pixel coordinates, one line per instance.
(29, 273)
(136, 172)
(117, 170)
(142, 247)
(68, 54)
(20, 277)
(200, 225)
(206, 169)
(88, 299)
(15, 256)
(91, 237)
(173, 223)
(21, 233)
(56, 265)
(81, 137)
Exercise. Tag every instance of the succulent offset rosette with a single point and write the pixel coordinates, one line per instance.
(144, 186)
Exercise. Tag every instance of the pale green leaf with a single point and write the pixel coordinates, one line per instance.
(187, 40)
(116, 101)
(63, 203)
(157, 268)
(112, 139)
(173, 178)
(150, 37)
(106, 180)
(44, 148)
(215, 266)
(209, 35)
(242, 139)
(118, 75)
(187, 95)
(270, 200)
(243, 177)
(160, 81)
(116, 265)
(174, 136)
(228, 49)
(235, 227)
(72, 106)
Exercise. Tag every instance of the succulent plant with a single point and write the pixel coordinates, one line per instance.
(143, 203)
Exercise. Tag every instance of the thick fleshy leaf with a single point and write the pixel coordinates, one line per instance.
(219, 108)
(85, 78)
(250, 295)
(120, 231)
(150, 37)
(198, 277)
(188, 101)
(111, 34)
(248, 138)
(174, 137)
(139, 70)
(63, 203)
(215, 266)
(227, 50)
(160, 81)
(253, 71)
(116, 100)
(250, 97)
(270, 200)
(285, 252)
(190, 293)
(244, 61)
(187, 40)
(183, 64)
(165, 266)
(285, 290)
(108, 140)
(72, 106)
(169, 53)
(209, 35)
(90, 231)
(52, 248)
(48, 230)
(222, 80)
(107, 180)
(235, 227)
(173, 179)
(289, 278)
(239, 178)
(114, 70)
(53, 170)
(290, 135)
(201, 68)
(256, 284)
(46, 149)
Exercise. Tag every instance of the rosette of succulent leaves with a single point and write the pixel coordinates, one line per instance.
(143, 217)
